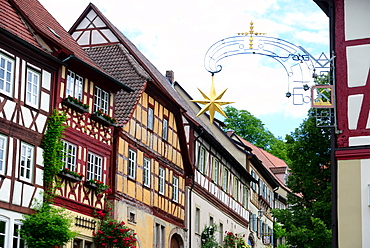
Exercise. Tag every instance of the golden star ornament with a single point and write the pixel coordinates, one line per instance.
(212, 102)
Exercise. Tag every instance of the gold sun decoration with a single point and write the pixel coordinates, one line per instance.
(212, 102)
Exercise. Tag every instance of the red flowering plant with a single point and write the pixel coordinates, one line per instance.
(112, 233)
(232, 240)
(73, 173)
(101, 113)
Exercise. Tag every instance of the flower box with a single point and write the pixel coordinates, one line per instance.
(75, 104)
(70, 177)
(102, 120)
(91, 185)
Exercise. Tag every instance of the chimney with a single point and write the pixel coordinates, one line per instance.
(170, 76)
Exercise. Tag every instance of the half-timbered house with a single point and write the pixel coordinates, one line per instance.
(350, 48)
(42, 68)
(219, 193)
(150, 162)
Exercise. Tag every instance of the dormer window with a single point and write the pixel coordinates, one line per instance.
(101, 101)
(74, 85)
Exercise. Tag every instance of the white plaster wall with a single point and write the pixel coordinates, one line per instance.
(356, 14)
(207, 210)
(5, 190)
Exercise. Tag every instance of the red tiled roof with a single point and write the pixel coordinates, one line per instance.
(12, 22)
(124, 68)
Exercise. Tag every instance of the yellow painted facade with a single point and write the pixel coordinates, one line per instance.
(151, 145)
(349, 204)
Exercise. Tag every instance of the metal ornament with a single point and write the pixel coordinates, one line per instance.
(212, 102)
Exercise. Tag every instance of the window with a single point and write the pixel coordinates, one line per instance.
(3, 232)
(159, 235)
(6, 74)
(216, 170)
(221, 234)
(236, 189)
(69, 155)
(150, 123)
(3, 143)
(131, 170)
(26, 162)
(165, 129)
(101, 101)
(94, 167)
(245, 197)
(80, 243)
(74, 85)
(175, 189)
(225, 179)
(32, 88)
(197, 220)
(253, 174)
(202, 159)
(146, 172)
(17, 241)
(161, 180)
(210, 220)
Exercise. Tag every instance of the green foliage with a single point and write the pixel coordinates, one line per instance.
(208, 239)
(52, 146)
(47, 227)
(250, 128)
(308, 221)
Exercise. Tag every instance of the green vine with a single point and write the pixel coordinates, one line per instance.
(53, 156)
(208, 239)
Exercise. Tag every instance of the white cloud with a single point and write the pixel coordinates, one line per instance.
(175, 35)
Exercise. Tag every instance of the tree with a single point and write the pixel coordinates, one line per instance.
(308, 221)
(250, 128)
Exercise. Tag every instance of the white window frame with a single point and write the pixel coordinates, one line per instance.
(245, 197)
(3, 153)
(161, 183)
(197, 220)
(94, 166)
(175, 189)
(26, 169)
(146, 172)
(253, 174)
(8, 74)
(150, 121)
(6, 231)
(101, 100)
(17, 236)
(202, 159)
(69, 155)
(131, 165)
(216, 171)
(74, 85)
(236, 189)
(225, 179)
(33, 87)
(165, 129)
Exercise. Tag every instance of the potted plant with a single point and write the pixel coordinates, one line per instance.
(76, 104)
(71, 175)
(103, 118)
(98, 185)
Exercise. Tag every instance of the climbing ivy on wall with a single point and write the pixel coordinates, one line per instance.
(53, 147)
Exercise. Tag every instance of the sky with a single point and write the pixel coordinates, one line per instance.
(175, 35)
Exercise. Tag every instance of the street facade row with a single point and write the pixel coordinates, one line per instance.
(129, 129)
